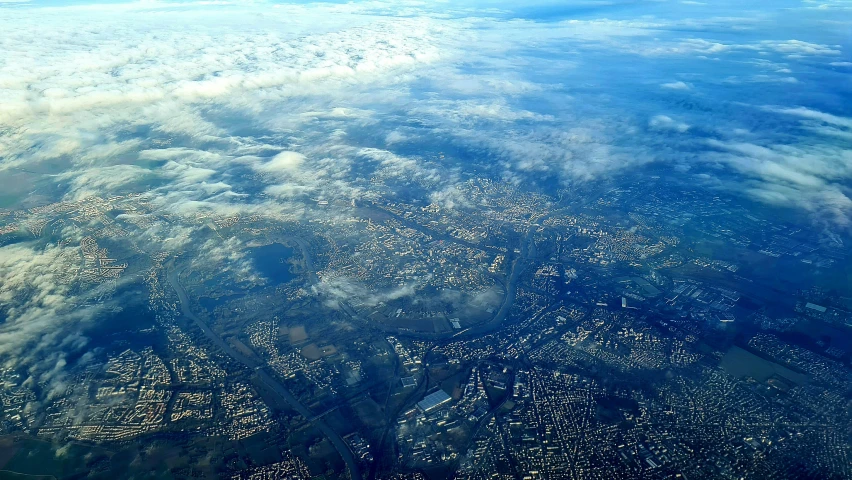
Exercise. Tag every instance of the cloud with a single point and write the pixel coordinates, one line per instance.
(402, 168)
(262, 109)
(395, 137)
(811, 114)
(584, 151)
(158, 76)
(282, 162)
(676, 86)
(334, 67)
(468, 111)
(94, 181)
(46, 312)
(450, 197)
(663, 122)
(344, 289)
(790, 48)
(247, 109)
(814, 178)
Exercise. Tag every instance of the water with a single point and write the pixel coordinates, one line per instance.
(271, 262)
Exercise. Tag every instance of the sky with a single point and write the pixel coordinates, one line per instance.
(247, 107)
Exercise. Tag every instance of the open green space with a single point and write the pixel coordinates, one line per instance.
(742, 363)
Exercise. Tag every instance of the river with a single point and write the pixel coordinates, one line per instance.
(263, 374)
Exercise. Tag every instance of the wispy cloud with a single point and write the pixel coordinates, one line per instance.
(243, 109)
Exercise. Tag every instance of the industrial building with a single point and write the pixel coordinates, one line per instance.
(433, 401)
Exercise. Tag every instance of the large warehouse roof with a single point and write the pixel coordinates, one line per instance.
(433, 401)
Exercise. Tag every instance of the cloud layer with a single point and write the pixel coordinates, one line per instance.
(265, 109)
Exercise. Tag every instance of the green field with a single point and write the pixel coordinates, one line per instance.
(27, 457)
(7, 475)
(742, 363)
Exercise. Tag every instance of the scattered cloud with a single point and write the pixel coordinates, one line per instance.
(395, 137)
(810, 114)
(663, 122)
(794, 48)
(344, 289)
(46, 311)
(252, 108)
(676, 86)
(282, 162)
(811, 177)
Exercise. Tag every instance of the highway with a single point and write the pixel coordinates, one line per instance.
(264, 376)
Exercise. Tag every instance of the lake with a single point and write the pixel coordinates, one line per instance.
(271, 262)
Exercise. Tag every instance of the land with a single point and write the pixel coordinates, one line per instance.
(627, 330)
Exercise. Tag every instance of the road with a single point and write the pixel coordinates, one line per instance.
(519, 264)
(527, 254)
(264, 376)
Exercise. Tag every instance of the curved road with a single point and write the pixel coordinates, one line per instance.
(511, 285)
(269, 380)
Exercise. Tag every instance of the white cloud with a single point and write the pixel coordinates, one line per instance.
(282, 91)
(96, 180)
(161, 71)
(395, 137)
(816, 115)
(339, 289)
(676, 86)
(812, 177)
(785, 47)
(46, 313)
(282, 162)
(465, 111)
(256, 108)
(400, 167)
(450, 197)
(663, 122)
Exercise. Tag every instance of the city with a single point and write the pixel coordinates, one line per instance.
(408, 240)
(636, 334)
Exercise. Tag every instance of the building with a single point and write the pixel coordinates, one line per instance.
(433, 401)
(818, 308)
